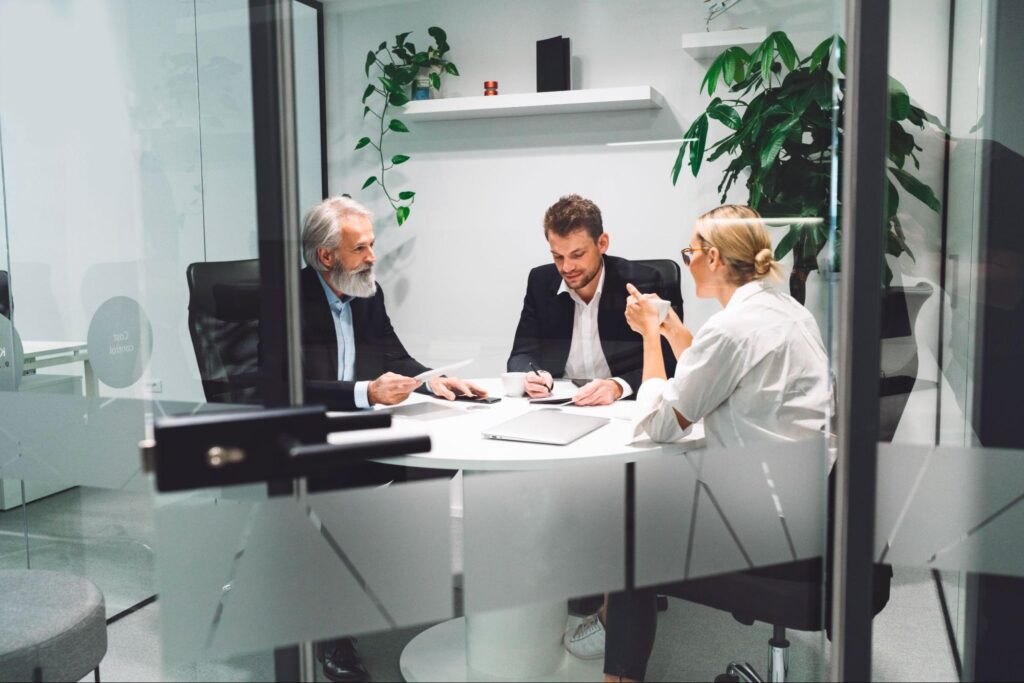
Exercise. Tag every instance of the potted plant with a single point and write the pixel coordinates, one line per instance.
(397, 68)
(781, 117)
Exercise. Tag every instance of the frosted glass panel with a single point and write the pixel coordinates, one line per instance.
(711, 512)
(952, 508)
(347, 562)
(541, 536)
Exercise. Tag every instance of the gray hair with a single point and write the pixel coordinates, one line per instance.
(322, 226)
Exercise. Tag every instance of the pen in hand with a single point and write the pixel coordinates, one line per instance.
(538, 371)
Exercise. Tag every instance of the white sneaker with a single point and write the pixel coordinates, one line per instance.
(586, 641)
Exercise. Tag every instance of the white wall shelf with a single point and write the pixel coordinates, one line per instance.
(707, 44)
(534, 104)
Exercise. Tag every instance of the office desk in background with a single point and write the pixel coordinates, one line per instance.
(38, 355)
(47, 354)
(494, 643)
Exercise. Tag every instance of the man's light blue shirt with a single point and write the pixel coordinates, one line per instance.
(341, 311)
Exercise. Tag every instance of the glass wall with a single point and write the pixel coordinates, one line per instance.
(127, 166)
(486, 557)
(949, 482)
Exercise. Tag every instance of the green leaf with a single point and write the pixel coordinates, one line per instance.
(363, 142)
(821, 54)
(899, 100)
(370, 59)
(771, 151)
(402, 213)
(450, 68)
(383, 45)
(398, 126)
(700, 129)
(369, 181)
(726, 114)
(435, 80)
(421, 59)
(369, 91)
(400, 38)
(389, 85)
(398, 99)
(678, 165)
(786, 50)
(406, 194)
(438, 34)
(767, 57)
(366, 110)
(729, 67)
(399, 159)
(892, 203)
(787, 243)
(711, 77)
(916, 188)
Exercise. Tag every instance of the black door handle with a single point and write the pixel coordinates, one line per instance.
(251, 446)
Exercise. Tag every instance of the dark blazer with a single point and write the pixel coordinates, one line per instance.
(544, 334)
(378, 348)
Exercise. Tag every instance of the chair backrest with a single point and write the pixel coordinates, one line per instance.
(900, 306)
(671, 276)
(223, 321)
(6, 304)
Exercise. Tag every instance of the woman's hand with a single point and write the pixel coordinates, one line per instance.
(678, 335)
(641, 314)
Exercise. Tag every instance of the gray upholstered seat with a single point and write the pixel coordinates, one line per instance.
(50, 621)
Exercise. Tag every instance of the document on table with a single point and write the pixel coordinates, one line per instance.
(437, 372)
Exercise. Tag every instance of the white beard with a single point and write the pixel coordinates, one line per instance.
(358, 283)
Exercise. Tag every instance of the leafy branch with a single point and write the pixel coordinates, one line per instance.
(397, 67)
(781, 113)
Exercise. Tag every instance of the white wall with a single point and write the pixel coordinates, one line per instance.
(455, 274)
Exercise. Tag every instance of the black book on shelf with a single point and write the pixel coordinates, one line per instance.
(553, 64)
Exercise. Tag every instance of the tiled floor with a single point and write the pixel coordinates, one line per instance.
(107, 536)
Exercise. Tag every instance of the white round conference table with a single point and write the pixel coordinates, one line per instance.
(522, 643)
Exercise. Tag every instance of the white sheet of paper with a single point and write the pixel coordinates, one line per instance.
(436, 372)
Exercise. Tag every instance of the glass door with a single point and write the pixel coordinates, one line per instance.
(129, 280)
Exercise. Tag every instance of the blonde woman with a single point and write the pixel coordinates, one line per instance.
(755, 371)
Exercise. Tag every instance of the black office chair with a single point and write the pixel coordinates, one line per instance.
(787, 596)
(671, 276)
(223, 321)
(6, 303)
(900, 307)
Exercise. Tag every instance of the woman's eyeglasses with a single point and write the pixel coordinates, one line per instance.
(687, 252)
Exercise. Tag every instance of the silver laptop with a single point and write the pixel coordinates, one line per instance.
(548, 425)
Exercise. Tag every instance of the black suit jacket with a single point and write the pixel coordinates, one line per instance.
(544, 334)
(378, 348)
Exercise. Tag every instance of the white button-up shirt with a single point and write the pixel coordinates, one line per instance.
(757, 371)
(586, 356)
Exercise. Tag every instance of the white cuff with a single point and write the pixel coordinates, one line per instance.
(362, 395)
(655, 414)
(626, 389)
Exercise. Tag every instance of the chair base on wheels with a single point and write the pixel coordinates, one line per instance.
(778, 663)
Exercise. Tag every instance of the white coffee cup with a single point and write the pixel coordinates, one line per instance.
(661, 304)
(514, 383)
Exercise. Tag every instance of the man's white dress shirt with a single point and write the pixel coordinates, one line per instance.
(586, 356)
(757, 371)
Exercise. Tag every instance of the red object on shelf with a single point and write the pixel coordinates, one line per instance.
(490, 88)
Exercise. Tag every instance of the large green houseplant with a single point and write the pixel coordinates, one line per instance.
(779, 111)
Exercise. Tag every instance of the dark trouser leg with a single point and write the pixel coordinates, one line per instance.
(630, 627)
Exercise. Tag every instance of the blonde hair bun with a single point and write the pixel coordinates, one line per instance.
(763, 262)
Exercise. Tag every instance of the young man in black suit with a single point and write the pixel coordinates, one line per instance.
(573, 322)
(351, 356)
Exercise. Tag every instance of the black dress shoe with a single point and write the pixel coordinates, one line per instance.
(341, 661)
